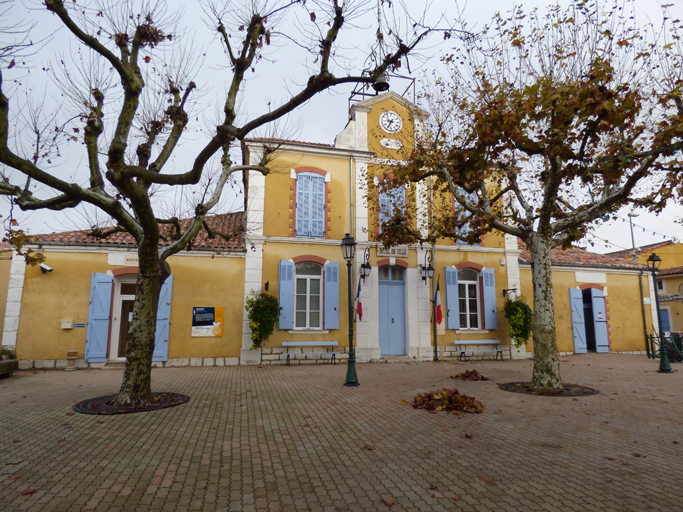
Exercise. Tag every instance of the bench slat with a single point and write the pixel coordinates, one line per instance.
(477, 342)
(309, 343)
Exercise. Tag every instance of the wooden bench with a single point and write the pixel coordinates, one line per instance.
(462, 348)
(311, 344)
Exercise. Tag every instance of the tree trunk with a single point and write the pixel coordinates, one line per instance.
(546, 376)
(136, 388)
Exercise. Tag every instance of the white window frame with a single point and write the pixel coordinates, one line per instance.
(310, 216)
(467, 298)
(321, 293)
(116, 313)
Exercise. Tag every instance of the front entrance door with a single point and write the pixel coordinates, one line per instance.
(392, 311)
(124, 298)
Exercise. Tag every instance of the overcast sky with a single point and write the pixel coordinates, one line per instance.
(318, 121)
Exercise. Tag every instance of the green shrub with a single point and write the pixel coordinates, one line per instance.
(518, 314)
(264, 311)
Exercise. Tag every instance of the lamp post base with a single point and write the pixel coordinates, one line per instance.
(664, 365)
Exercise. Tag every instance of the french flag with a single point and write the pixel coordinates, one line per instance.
(437, 301)
(359, 304)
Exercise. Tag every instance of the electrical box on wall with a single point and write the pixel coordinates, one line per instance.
(67, 324)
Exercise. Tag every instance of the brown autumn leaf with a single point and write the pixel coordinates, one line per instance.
(447, 400)
(488, 480)
(389, 503)
(468, 436)
(147, 59)
(473, 375)
(14, 477)
(405, 402)
(26, 492)
(535, 419)
(456, 498)
(16, 440)
(69, 414)
(368, 447)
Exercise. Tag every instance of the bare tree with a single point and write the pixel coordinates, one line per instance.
(131, 120)
(542, 129)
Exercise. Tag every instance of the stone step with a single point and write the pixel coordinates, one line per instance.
(113, 365)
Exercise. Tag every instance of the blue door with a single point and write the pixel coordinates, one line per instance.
(578, 322)
(666, 322)
(392, 311)
(599, 321)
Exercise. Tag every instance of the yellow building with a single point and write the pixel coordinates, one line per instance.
(294, 221)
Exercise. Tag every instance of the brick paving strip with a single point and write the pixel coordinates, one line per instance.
(277, 438)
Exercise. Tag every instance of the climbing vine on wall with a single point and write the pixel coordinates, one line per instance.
(264, 310)
(518, 314)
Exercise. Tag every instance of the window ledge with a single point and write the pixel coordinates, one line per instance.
(471, 331)
(308, 331)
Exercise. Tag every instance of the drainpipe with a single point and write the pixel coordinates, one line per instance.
(352, 189)
(642, 305)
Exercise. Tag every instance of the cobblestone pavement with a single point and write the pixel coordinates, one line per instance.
(293, 438)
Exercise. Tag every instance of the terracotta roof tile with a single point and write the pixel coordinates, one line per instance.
(224, 223)
(576, 257)
(671, 271)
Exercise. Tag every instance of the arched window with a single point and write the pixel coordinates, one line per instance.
(468, 297)
(308, 295)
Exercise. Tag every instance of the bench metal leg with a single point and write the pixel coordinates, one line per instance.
(501, 355)
(462, 354)
(287, 363)
(334, 359)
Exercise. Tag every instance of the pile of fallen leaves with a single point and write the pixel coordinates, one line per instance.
(446, 400)
(469, 375)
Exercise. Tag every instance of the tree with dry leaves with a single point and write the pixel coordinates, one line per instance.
(148, 112)
(553, 121)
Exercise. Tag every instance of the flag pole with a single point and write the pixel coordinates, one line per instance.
(433, 300)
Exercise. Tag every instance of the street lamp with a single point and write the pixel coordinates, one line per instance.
(365, 268)
(348, 247)
(426, 270)
(653, 263)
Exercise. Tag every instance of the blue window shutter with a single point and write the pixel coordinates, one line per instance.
(384, 208)
(666, 323)
(332, 296)
(163, 329)
(317, 206)
(286, 295)
(599, 321)
(97, 333)
(452, 304)
(303, 205)
(490, 311)
(578, 322)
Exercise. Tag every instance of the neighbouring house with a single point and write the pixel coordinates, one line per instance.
(669, 280)
(288, 243)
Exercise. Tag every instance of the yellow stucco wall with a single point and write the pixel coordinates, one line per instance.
(487, 260)
(671, 255)
(5, 267)
(624, 314)
(272, 254)
(376, 134)
(65, 294)
(279, 195)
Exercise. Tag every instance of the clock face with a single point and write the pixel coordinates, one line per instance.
(390, 122)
